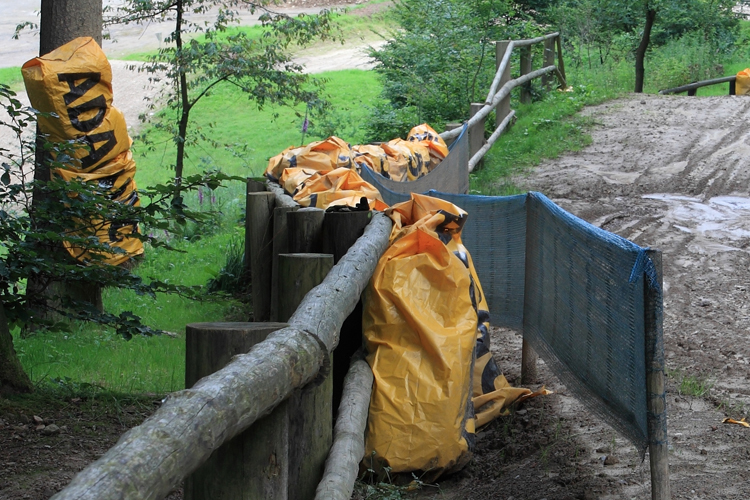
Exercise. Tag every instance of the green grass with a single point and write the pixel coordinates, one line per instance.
(92, 355)
(251, 135)
(544, 129)
(12, 77)
(349, 26)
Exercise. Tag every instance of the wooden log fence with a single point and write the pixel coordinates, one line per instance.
(692, 88)
(498, 97)
(152, 459)
(255, 419)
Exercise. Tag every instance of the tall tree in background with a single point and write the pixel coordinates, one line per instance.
(640, 52)
(199, 56)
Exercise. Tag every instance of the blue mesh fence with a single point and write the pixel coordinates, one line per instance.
(575, 290)
(584, 312)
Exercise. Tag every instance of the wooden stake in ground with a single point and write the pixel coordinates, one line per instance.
(658, 448)
(258, 251)
(308, 409)
(340, 231)
(232, 470)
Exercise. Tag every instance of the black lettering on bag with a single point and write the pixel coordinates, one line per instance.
(96, 155)
(77, 91)
(88, 125)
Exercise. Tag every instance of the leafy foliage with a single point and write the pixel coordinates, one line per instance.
(600, 30)
(261, 66)
(442, 59)
(71, 213)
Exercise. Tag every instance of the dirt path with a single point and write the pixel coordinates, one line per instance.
(670, 173)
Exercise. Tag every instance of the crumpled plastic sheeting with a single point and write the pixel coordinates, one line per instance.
(426, 326)
(73, 83)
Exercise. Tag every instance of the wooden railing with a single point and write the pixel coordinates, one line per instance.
(692, 88)
(498, 96)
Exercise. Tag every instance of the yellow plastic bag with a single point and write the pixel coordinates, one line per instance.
(74, 82)
(323, 156)
(742, 83)
(338, 187)
(426, 136)
(426, 323)
(420, 329)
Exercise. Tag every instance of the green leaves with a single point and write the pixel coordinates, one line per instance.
(71, 213)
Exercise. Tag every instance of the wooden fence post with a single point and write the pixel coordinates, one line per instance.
(280, 245)
(503, 108)
(340, 231)
(528, 363)
(525, 70)
(305, 230)
(549, 60)
(476, 132)
(258, 246)
(253, 465)
(309, 408)
(658, 449)
(560, 60)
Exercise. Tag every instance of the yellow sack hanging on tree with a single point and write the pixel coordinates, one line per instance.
(742, 83)
(322, 156)
(74, 84)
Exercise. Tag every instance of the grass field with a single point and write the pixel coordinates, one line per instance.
(249, 137)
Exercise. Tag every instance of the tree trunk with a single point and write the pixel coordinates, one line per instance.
(640, 53)
(185, 105)
(12, 377)
(62, 21)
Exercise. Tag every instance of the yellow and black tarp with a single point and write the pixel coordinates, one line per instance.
(341, 186)
(426, 329)
(426, 136)
(742, 82)
(322, 156)
(73, 85)
(399, 159)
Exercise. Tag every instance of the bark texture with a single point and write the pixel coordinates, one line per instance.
(282, 199)
(13, 379)
(150, 460)
(342, 465)
(64, 20)
(640, 53)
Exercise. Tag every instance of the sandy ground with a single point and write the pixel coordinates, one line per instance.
(670, 173)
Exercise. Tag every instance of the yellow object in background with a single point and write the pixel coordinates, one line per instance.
(742, 83)
(74, 84)
(322, 156)
(338, 187)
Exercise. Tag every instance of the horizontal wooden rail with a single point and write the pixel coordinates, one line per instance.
(500, 95)
(282, 199)
(342, 465)
(532, 41)
(692, 87)
(152, 459)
